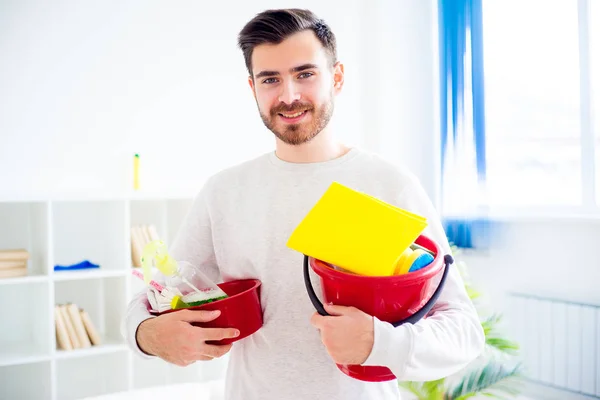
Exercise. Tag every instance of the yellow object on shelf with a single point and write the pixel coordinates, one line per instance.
(136, 172)
(356, 231)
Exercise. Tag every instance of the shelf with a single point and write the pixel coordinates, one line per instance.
(25, 335)
(103, 299)
(156, 372)
(22, 353)
(200, 371)
(107, 348)
(147, 195)
(24, 280)
(149, 373)
(165, 215)
(94, 231)
(86, 196)
(26, 226)
(77, 378)
(26, 382)
(150, 212)
(86, 274)
(64, 231)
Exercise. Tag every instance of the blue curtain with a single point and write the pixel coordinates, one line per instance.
(462, 116)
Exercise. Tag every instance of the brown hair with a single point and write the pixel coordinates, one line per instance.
(274, 26)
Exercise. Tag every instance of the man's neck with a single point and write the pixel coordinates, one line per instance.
(321, 148)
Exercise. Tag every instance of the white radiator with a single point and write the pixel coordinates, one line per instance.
(560, 342)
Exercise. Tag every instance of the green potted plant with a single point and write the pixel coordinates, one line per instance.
(494, 374)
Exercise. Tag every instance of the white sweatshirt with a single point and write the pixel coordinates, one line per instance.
(238, 227)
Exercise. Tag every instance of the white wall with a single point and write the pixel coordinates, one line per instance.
(403, 64)
(548, 257)
(85, 85)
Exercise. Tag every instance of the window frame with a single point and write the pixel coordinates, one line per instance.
(589, 207)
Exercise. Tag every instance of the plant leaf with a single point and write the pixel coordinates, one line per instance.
(415, 388)
(493, 337)
(431, 390)
(492, 379)
(472, 292)
(504, 345)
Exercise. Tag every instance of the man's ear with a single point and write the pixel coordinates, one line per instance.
(251, 83)
(338, 76)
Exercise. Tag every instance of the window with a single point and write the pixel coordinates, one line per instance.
(532, 102)
(594, 24)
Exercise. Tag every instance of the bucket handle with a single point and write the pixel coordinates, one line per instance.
(413, 319)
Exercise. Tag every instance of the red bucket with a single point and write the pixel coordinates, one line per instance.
(241, 309)
(398, 299)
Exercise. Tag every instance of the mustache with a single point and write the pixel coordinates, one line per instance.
(290, 108)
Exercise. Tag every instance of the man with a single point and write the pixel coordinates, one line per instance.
(243, 216)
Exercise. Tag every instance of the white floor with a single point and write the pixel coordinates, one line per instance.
(197, 391)
(213, 390)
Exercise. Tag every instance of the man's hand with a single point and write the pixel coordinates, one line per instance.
(173, 338)
(348, 334)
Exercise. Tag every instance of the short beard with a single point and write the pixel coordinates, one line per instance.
(298, 134)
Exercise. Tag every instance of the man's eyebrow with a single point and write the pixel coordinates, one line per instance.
(299, 68)
(266, 73)
(303, 67)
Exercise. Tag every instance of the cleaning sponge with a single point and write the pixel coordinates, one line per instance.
(412, 260)
(422, 260)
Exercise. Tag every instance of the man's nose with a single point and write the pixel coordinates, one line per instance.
(289, 93)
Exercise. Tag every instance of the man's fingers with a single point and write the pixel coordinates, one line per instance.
(215, 351)
(184, 363)
(317, 320)
(197, 315)
(337, 310)
(205, 334)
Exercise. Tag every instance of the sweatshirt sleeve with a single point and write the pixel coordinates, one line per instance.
(450, 337)
(193, 243)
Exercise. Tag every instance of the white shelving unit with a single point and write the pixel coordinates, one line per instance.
(64, 232)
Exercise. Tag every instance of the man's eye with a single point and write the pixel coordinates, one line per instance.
(305, 75)
(270, 80)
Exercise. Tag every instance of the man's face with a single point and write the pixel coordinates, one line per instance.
(294, 85)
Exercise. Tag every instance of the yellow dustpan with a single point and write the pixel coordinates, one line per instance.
(357, 232)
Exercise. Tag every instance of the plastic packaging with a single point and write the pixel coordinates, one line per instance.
(195, 286)
(189, 284)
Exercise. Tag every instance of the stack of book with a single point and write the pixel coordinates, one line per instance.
(141, 235)
(13, 263)
(74, 328)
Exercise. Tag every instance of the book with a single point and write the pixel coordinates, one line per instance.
(141, 235)
(80, 331)
(145, 234)
(63, 340)
(14, 255)
(153, 233)
(90, 328)
(137, 243)
(69, 326)
(10, 264)
(12, 272)
(74, 328)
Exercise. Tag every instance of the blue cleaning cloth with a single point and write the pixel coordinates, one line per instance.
(422, 261)
(82, 265)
